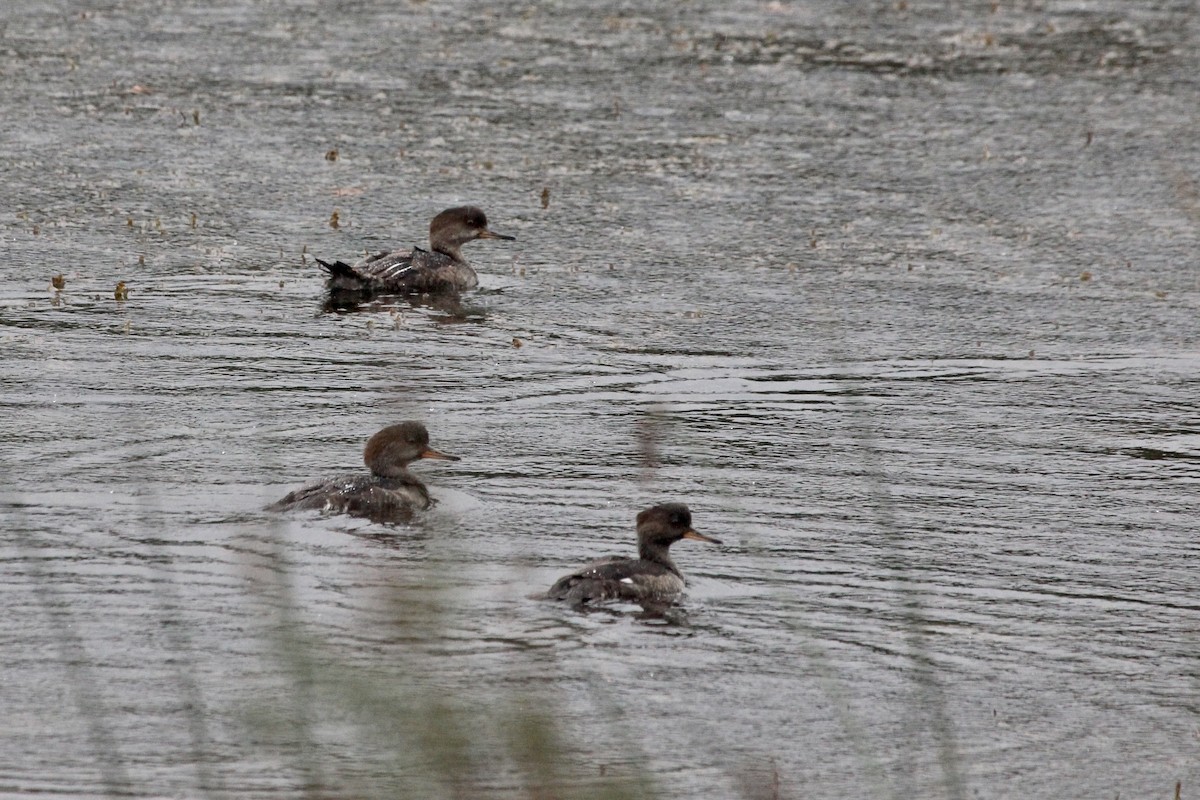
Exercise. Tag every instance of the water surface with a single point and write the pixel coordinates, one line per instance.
(902, 300)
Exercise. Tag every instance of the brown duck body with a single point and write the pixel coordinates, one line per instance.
(650, 578)
(369, 496)
(442, 268)
(401, 272)
(619, 578)
(390, 493)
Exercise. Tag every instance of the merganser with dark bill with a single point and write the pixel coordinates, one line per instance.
(390, 493)
(652, 577)
(442, 268)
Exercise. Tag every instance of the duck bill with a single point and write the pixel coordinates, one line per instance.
(699, 537)
(429, 452)
(486, 234)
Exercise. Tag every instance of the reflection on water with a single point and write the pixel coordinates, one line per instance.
(448, 308)
(902, 306)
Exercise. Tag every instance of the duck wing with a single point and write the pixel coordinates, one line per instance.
(414, 270)
(427, 271)
(367, 496)
(374, 271)
(616, 578)
(328, 494)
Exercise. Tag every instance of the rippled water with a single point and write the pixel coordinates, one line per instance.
(901, 299)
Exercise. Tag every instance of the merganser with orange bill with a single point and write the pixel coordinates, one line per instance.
(652, 577)
(442, 268)
(390, 493)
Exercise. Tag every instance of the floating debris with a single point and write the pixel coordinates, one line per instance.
(331, 155)
(545, 197)
(141, 260)
(121, 292)
(517, 342)
(195, 117)
(37, 229)
(333, 219)
(1085, 276)
(193, 221)
(59, 282)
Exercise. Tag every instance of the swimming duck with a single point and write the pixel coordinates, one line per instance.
(390, 493)
(442, 268)
(652, 577)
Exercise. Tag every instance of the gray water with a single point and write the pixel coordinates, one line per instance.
(901, 298)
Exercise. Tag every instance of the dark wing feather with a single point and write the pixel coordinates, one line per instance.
(367, 496)
(615, 578)
(374, 271)
(401, 271)
(385, 269)
(429, 271)
(319, 496)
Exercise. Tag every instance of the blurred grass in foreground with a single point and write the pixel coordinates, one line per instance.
(415, 736)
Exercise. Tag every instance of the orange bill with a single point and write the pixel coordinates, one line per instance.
(486, 234)
(700, 537)
(429, 452)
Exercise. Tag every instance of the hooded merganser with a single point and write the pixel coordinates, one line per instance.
(442, 268)
(652, 577)
(389, 494)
